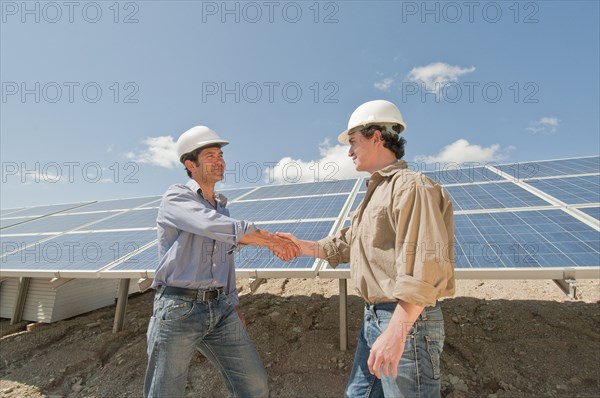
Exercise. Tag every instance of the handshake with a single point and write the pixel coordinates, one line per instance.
(283, 245)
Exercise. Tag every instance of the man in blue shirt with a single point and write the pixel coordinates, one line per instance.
(196, 302)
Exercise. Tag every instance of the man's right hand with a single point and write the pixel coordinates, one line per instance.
(282, 246)
(307, 247)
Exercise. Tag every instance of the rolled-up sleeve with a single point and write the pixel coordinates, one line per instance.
(180, 209)
(424, 245)
(337, 247)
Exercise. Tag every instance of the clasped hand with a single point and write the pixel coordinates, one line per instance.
(284, 247)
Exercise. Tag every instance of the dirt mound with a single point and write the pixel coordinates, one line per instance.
(503, 339)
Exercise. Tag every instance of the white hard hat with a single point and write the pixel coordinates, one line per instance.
(379, 112)
(196, 137)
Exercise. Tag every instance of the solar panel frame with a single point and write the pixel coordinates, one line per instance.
(551, 251)
(591, 211)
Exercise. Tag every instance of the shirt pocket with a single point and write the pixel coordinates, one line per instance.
(376, 225)
(379, 239)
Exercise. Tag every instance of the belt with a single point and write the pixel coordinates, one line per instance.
(197, 295)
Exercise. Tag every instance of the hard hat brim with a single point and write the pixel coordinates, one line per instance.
(204, 144)
(344, 137)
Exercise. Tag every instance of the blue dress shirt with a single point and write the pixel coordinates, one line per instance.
(196, 241)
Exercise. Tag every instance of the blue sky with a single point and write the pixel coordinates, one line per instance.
(94, 94)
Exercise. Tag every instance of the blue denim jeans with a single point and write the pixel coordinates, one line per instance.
(179, 326)
(419, 367)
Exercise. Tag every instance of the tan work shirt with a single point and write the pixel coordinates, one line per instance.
(401, 240)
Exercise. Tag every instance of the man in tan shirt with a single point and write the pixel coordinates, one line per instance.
(401, 249)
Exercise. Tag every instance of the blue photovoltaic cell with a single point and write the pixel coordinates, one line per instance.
(120, 204)
(77, 252)
(528, 239)
(12, 243)
(357, 200)
(143, 218)
(571, 190)
(492, 196)
(50, 209)
(592, 211)
(253, 257)
(302, 189)
(233, 194)
(552, 168)
(289, 209)
(455, 175)
(56, 223)
(146, 260)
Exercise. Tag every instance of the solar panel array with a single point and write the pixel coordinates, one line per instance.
(535, 216)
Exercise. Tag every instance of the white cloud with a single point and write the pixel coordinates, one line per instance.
(546, 125)
(160, 151)
(461, 151)
(385, 84)
(334, 164)
(436, 75)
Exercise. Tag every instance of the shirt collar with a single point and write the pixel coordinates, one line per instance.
(219, 197)
(388, 171)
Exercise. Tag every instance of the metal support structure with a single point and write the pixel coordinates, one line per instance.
(568, 286)
(17, 315)
(58, 282)
(144, 283)
(343, 315)
(255, 283)
(121, 305)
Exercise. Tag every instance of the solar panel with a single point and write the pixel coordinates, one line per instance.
(550, 168)
(495, 227)
(571, 190)
(55, 223)
(592, 211)
(119, 204)
(49, 209)
(289, 209)
(233, 194)
(143, 218)
(13, 243)
(302, 189)
(538, 239)
(453, 174)
(77, 252)
(357, 200)
(492, 196)
(146, 260)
